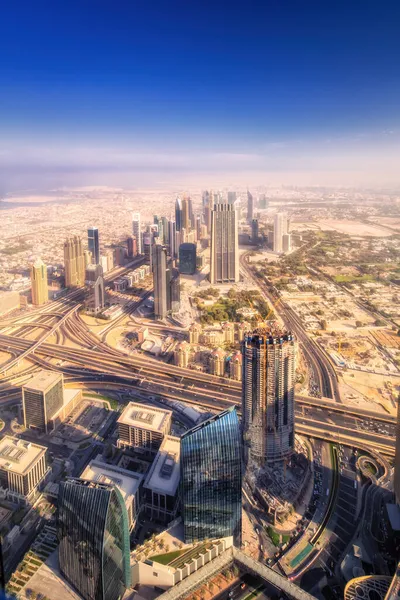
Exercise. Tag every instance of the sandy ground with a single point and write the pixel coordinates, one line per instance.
(353, 228)
(368, 391)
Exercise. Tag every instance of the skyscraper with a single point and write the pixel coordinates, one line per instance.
(178, 214)
(206, 203)
(171, 239)
(159, 261)
(136, 230)
(74, 262)
(231, 197)
(40, 292)
(280, 229)
(186, 223)
(94, 244)
(250, 207)
(93, 537)
(224, 267)
(254, 231)
(131, 243)
(211, 479)
(269, 364)
(158, 221)
(187, 259)
(42, 398)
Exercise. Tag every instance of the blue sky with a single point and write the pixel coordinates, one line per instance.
(197, 87)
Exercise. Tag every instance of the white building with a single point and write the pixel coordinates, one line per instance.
(280, 229)
(136, 230)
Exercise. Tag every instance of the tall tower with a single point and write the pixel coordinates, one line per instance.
(186, 223)
(159, 262)
(40, 292)
(280, 229)
(178, 214)
(94, 244)
(74, 262)
(224, 267)
(211, 479)
(250, 207)
(93, 535)
(136, 230)
(269, 364)
(206, 210)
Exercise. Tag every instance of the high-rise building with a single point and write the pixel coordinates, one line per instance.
(171, 239)
(224, 266)
(262, 202)
(269, 375)
(217, 362)
(159, 260)
(181, 354)
(131, 243)
(95, 281)
(254, 231)
(231, 197)
(206, 203)
(286, 242)
(165, 229)
(143, 427)
(211, 480)
(74, 262)
(137, 231)
(187, 259)
(250, 207)
(158, 221)
(198, 228)
(42, 398)
(178, 214)
(93, 535)
(192, 221)
(87, 255)
(173, 290)
(94, 244)
(23, 466)
(40, 291)
(147, 247)
(186, 223)
(280, 229)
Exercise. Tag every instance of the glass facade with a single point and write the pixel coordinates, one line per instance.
(211, 479)
(94, 539)
(187, 259)
(93, 244)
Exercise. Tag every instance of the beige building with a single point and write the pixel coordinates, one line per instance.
(128, 483)
(217, 362)
(74, 262)
(194, 333)
(224, 248)
(40, 293)
(161, 488)
(23, 466)
(235, 366)
(42, 399)
(181, 354)
(229, 332)
(143, 428)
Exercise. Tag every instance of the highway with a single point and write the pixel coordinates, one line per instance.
(322, 368)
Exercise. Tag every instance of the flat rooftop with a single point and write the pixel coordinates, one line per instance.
(145, 417)
(164, 473)
(42, 381)
(19, 456)
(127, 482)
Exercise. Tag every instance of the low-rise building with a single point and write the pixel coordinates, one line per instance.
(161, 487)
(143, 428)
(181, 354)
(128, 483)
(217, 362)
(23, 466)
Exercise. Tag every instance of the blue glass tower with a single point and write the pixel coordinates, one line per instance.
(211, 479)
(93, 244)
(94, 539)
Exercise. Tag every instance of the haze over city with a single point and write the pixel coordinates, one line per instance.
(199, 300)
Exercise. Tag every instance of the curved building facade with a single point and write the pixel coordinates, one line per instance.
(93, 536)
(268, 379)
(211, 479)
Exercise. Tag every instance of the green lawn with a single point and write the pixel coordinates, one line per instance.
(353, 278)
(165, 559)
(275, 538)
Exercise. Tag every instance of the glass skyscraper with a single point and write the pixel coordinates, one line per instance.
(211, 479)
(187, 259)
(93, 244)
(94, 539)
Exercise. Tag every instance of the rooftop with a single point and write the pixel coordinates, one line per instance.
(127, 482)
(43, 381)
(164, 473)
(19, 456)
(145, 417)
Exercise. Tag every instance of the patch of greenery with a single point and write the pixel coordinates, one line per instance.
(165, 559)
(353, 278)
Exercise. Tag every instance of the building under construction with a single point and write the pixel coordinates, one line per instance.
(268, 378)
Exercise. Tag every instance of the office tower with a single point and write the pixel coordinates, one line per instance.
(120, 255)
(286, 242)
(231, 197)
(269, 375)
(396, 484)
(147, 247)
(187, 259)
(211, 479)
(224, 267)
(23, 466)
(87, 255)
(192, 221)
(74, 262)
(42, 398)
(143, 427)
(95, 281)
(178, 214)
(136, 231)
(198, 228)
(206, 203)
(40, 292)
(158, 222)
(165, 229)
(159, 260)
(131, 243)
(93, 538)
(174, 291)
(94, 244)
(262, 202)
(254, 231)
(280, 229)
(185, 213)
(250, 207)
(171, 239)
